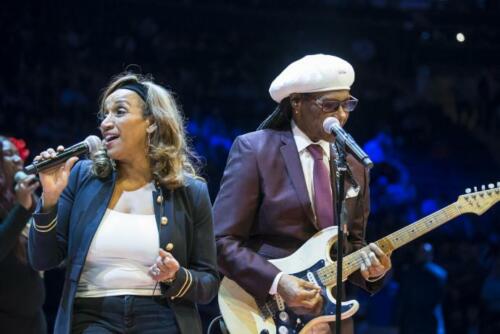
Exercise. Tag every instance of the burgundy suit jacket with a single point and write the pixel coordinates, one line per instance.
(263, 210)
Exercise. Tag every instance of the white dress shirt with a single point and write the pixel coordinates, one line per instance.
(302, 141)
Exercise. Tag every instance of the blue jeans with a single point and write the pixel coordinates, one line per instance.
(123, 314)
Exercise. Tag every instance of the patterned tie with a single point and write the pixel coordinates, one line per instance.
(322, 190)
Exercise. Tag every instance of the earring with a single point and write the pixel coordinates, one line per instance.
(151, 128)
(148, 146)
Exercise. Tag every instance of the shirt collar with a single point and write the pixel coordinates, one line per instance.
(302, 141)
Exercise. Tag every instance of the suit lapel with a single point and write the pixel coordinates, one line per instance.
(294, 169)
(348, 183)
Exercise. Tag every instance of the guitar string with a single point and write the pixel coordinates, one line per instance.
(406, 234)
(328, 272)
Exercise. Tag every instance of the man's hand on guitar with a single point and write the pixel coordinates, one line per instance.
(375, 264)
(301, 296)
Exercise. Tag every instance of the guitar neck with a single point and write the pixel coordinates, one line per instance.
(352, 262)
(418, 229)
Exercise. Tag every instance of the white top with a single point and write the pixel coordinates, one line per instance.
(307, 161)
(124, 247)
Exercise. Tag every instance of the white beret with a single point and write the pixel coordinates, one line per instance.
(314, 73)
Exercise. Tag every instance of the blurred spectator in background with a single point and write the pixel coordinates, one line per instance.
(378, 310)
(21, 288)
(421, 293)
(490, 299)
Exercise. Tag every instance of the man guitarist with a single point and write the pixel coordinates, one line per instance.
(276, 191)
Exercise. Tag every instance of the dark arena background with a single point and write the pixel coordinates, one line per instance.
(428, 81)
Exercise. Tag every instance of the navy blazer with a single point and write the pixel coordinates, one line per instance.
(78, 214)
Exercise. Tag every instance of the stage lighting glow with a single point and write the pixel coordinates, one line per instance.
(460, 37)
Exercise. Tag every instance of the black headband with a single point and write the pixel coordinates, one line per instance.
(140, 89)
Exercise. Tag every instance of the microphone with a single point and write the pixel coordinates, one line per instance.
(332, 125)
(20, 176)
(90, 145)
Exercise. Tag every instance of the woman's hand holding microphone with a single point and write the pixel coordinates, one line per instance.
(54, 179)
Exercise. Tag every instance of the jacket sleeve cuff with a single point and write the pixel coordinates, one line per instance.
(44, 221)
(180, 286)
(374, 279)
(274, 288)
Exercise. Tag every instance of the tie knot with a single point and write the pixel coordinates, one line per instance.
(316, 151)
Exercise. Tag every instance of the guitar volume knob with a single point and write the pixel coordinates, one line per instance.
(282, 330)
(284, 317)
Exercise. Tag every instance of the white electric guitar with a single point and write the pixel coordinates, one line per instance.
(312, 262)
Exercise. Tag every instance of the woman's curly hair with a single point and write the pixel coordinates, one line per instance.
(169, 153)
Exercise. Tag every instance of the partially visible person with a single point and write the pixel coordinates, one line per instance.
(21, 288)
(134, 224)
(421, 294)
(378, 311)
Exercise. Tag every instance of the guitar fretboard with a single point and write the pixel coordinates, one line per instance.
(352, 262)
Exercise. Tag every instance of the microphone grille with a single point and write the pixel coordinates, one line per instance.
(329, 122)
(94, 143)
(19, 176)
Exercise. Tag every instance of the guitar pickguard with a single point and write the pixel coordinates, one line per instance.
(287, 322)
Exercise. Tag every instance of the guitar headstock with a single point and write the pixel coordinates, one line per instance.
(478, 201)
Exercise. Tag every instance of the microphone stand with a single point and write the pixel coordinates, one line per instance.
(338, 202)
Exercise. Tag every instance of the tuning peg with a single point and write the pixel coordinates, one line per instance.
(475, 189)
(468, 190)
(498, 184)
(491, 186)
(483, 187)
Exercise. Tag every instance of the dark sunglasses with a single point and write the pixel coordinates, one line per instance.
(328, 106)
